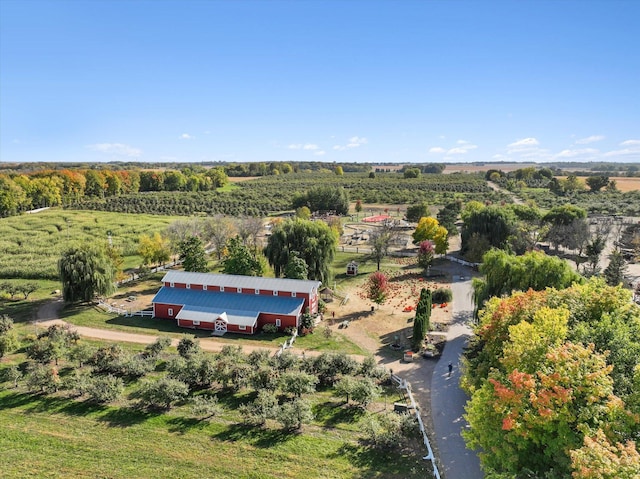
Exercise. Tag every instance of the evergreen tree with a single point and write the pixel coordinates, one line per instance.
(615, 271)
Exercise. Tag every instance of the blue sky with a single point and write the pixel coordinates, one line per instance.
(343, 81)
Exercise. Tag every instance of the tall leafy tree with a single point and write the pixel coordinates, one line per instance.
(417, 211)
(504, 273)
(324, 199)
(596, 183)
(240, 260)
(490, 224)
(429, 229)
(154, 249)
(296, 267)
(314, 241)
(193, 255)
(86, 271)
(219, 229)
(380, 240)
(426, 250)
(378, 287)
(530, 421)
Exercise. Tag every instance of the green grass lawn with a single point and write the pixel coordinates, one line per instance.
(56, 436)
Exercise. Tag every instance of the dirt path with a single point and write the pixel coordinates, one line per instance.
(48, 316)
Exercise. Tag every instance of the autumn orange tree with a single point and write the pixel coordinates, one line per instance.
(547, 376)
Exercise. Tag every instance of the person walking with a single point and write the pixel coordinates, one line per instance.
(450, 368)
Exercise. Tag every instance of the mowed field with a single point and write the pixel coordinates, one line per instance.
(623, 183)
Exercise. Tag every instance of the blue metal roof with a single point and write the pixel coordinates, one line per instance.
(232, 303)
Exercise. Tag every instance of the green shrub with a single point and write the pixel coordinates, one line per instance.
(270, 328)
(442, 295)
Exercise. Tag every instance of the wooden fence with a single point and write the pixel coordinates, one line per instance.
(402, 384)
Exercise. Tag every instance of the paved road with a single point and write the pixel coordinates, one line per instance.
(447, 399)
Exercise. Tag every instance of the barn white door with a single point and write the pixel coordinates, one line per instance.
(220, 326)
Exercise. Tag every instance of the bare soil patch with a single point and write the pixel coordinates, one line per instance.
(375, 327)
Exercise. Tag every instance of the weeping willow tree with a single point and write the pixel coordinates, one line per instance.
(484, 228)
(313, 241)
(505, 273)
(86, 271)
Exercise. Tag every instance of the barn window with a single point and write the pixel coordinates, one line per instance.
(242, 328)
(170, 312)
(239, 290)
(278, 322)
(257, 291)
(275, 293)
(196, 323)
(222, 289)
(293, 294)
(171, 284)
(188, 286)
(204, 287)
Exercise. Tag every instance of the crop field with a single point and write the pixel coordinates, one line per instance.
(269, 194)
(30, 245)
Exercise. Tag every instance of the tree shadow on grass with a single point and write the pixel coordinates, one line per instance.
(182, 425)
(127, 417)
(332, 413)
(254, 435)
(232, 400)
(16, 400)
(385, 463)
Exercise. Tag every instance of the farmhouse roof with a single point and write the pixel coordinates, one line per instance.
(202, 314)
(238, 281)
(231, 303)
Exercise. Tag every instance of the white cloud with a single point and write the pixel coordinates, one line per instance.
(580, 152)
(339, 147)
(631, 150)
(356, 141)
(589, 139)
(119, 149)
(294, 146)
(465, 147)
(310, 146)
(524, 143)
(187, 136)
(319, 153)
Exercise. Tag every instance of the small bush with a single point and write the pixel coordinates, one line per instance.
(290, 330)
(103, 389)
(442, 295)
(270, 328)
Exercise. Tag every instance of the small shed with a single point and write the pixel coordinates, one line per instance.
(352, 268)
(326, 294)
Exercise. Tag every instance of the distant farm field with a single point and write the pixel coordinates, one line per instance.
(31, 244)
(625, 184)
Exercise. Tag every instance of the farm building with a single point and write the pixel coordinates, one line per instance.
(231, 303)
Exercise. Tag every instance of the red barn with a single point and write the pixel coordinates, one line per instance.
(238, 304)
